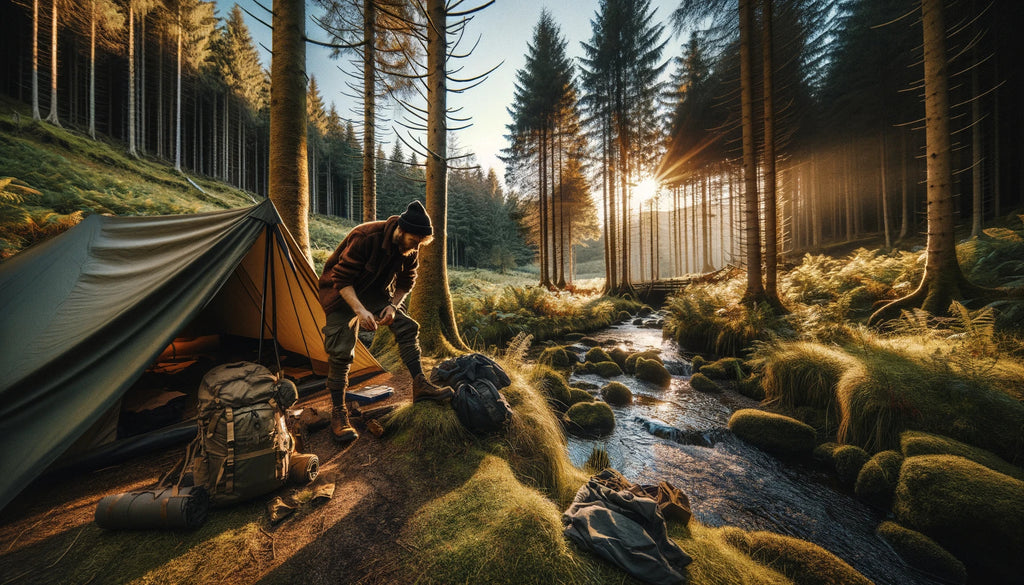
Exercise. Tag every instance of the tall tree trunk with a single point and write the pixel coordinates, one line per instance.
(289, 179)
(35, 61)
(942, 281)
(370, 111)
(752, 225)
(431, 303)
(177, 107)
(131, 79)
(142, 85)
(904, 188)
(771, 219)
(52, 117)
(977, 199)
(885, 193)
(92, 69)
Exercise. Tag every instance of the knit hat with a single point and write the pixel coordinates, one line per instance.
(415, 221)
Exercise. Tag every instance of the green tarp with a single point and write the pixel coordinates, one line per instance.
(83, 315)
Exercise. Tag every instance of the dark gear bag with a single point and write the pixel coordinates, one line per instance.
(477, 380)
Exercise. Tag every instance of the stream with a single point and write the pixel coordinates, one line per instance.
(679, 435)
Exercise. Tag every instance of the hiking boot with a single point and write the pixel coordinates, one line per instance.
(423, 389)
(341, 429)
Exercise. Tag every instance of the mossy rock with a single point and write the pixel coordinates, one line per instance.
(654, 372)
(617, 393)
(914, 443)
(970, 510)
(644, 311)
(697, 363)
(597, 355)
(735, 365)
(607, 369)
(805, 563)
(877, 479)
(589, 341)
(702, 383)
(578, 395)
(574, 336)
(555, 388)
(557, 357)
(590, 419)
(723, 369)
(584, 385)
(922, 553)
(849, 460)
(825, 454)
(623, 316)
(771, 432)
(751, 387)
(619, 356)
(650, 354)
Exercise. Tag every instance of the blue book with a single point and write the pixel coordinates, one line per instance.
(370, 394)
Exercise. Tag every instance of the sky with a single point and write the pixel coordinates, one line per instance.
(503, 30)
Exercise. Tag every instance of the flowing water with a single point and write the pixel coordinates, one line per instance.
(679, 435)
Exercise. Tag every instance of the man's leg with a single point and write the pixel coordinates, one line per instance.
(407, 332)
(340, 343)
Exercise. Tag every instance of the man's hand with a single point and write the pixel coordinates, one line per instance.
(387, 316)
(366, 320)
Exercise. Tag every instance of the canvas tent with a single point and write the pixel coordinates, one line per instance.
(83, 315)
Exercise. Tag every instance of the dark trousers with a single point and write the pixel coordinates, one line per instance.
(340, 341)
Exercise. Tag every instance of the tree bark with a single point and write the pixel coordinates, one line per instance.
(752, 228)
(370, 111)
(35, 61)
(53, 117)
(289, 179)
(431, 303)
(131, 79)
(771, 228)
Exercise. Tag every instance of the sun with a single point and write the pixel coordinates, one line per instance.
(646, 189)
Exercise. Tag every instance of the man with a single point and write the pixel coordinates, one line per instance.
(363, 285)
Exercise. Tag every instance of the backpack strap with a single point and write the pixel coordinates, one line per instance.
(227, 467)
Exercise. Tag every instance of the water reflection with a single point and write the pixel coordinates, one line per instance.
(678, 434)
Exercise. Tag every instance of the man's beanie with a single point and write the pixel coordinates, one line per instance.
(415, 221)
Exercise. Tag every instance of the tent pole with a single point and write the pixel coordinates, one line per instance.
(263, 299)
(273, 306)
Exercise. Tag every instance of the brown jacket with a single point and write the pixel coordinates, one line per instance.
(367, 257)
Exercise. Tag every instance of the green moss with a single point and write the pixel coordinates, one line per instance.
(877, 480)
(918, 443)
(590, 419)
(619, 356)
(804, 562)
(724, 369)
(554, 386)
(589, 341)
(557, 357)
(825, 454)
(607, 369)
(654, 372)
(702, 383)
(650, 354)
(697, 363)
(849, 460)
(578, 395)
(644, 311)
(923, 553)
(597, 355)
(623, 316)
(617, 393)
(772, 432)
(970, 510)
(751, 387)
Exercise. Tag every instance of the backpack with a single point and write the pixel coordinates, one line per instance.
(243, 448)
(478, 403)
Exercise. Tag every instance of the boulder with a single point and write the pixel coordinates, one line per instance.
(771, 432)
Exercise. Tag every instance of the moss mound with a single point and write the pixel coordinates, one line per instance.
(923, 553)
(972, 511)
(597, 355)
(557, 357)
(579, 395)
(554, 386)
(751, 387)
(590, 419)
(804, 562)
(702, 383)
(772, 432)
(623, 316)
(915, 443)
(650, 354)
(589, 341)
(825, 454)
(849, 460)
(654, 372)
(877, 480)
(714, 370)
(697, 363)
(607, 369)
(802, 373)
(617, 393)
(619, 356)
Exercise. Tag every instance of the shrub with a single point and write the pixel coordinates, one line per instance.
(751, 387)
(772, 432)
(650, 354)
(590, 419)
(654, 372)
(877, 479)
(915, 443)
(801, 374)
(804, 562)
(702, 383)
(555, 388)
(617, 393)
(970, 510)
(596, 355)
(557, 357)
(849, 460)
(598, 461)
(608, 369)
(922, 553)
(578, 395)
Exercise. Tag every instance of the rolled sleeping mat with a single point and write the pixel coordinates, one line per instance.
(303, 468)
(154, 509)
